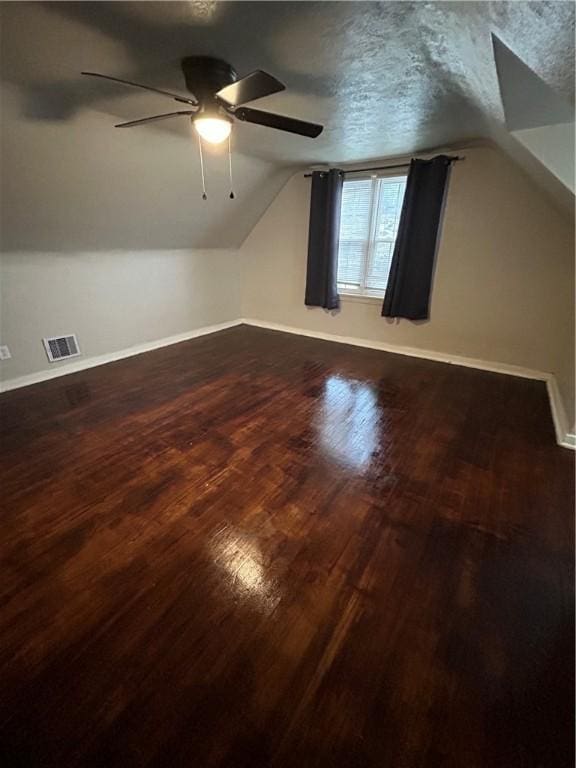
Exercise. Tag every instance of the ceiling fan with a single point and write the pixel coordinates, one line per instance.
(217, 98)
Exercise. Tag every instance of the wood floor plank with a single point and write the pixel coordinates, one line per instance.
(255, 550)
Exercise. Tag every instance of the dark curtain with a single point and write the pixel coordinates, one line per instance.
(410, 280)
(322, 271)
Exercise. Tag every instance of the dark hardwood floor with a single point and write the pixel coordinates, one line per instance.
(259, 550)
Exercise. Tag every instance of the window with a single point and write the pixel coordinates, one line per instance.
(368, 227)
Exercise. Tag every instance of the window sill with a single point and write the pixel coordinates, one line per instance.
(355, 298)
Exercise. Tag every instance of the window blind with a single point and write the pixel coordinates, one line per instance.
(369, 221)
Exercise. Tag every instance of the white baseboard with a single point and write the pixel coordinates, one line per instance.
(426, 354)
(563, 436)
(92, 362)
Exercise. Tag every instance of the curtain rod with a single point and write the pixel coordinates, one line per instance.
(453, 159)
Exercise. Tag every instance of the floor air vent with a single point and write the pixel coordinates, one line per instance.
(61, 347)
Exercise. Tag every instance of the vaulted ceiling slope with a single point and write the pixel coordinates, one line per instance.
(386, 79)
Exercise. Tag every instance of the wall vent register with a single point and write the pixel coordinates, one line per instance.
(61, 347)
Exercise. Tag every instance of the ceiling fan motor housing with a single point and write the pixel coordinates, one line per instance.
(205, 76)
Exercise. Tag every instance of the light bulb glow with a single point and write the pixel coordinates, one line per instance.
(213, 129)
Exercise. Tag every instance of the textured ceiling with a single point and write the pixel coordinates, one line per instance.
(384, 78)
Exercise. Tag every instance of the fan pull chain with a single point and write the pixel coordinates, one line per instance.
(204, 195)
(230, 167)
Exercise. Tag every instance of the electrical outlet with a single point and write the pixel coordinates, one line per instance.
(4, 353)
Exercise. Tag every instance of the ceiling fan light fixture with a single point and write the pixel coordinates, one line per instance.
(214, 130)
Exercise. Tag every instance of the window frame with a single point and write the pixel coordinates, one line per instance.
(363, 294)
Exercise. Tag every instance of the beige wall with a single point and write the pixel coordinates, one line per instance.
(504, 283)
(111, 300)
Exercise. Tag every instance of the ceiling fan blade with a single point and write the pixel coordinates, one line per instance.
(154, 118)
(254, 86)
(280, 122)
(175, 96)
